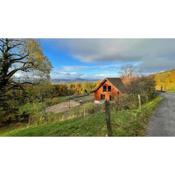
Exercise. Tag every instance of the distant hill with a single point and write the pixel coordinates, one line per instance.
(165, 80)
(60, 81)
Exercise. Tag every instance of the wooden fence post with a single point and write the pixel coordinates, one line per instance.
(84, 112)
(140, 105)
(108, 118)
(69, 102)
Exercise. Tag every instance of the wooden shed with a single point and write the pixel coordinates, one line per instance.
(109, 88)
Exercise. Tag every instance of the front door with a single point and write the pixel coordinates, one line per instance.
(102, 96)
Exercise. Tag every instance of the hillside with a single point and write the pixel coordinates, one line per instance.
(165, 80)
(124, 123)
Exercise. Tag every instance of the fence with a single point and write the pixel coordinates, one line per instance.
(88, 108)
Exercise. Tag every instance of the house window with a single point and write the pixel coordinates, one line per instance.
(109, 88)
(102, 96)
(104, 88)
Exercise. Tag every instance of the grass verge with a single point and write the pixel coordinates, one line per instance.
(124, 123)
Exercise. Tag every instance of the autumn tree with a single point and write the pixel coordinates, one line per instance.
(21, 62)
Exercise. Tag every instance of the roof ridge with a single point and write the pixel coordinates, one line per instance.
(117, 82)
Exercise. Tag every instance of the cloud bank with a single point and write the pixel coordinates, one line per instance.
(150, 54)
(99, 58)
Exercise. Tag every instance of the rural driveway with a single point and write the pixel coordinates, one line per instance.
(65, 106)
(163, 120)
(62, 107)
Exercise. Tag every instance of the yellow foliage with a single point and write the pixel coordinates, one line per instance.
(165, 80)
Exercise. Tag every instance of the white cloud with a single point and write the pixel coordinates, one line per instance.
(152, 54)
(90, 50)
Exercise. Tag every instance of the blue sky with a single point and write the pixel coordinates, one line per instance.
(99, 58)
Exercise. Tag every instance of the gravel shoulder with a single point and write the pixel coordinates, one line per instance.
(163, 120)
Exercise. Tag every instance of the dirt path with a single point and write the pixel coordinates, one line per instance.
(163, 120)
(62, 107)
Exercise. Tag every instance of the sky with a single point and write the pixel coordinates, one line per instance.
(100, 58)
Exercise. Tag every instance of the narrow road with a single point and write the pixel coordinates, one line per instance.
(163, 120)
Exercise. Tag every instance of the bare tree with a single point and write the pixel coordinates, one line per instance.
(128, 73)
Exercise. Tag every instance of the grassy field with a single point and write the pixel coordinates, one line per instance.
(124, 123)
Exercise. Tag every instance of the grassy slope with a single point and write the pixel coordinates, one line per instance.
(125, 123)
(166, 80)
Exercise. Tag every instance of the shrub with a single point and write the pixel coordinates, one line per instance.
(32, 112)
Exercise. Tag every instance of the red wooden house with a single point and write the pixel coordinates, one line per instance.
(109, 88)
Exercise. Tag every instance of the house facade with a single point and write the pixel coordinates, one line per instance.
(108, 89)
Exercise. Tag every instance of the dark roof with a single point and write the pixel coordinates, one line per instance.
(117, 82)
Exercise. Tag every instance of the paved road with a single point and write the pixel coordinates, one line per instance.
(163, 120)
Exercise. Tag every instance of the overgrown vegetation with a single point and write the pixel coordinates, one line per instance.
(124, 123)
(29, 106)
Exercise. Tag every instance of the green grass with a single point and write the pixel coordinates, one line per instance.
(55, 100)
(134, 122)
(124, 123)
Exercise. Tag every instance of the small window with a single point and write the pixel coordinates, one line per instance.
(109, 88)
(104, 88)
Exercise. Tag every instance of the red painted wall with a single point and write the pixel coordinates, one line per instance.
(114, 91)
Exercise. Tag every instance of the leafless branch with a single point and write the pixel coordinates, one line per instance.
(18, 59)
